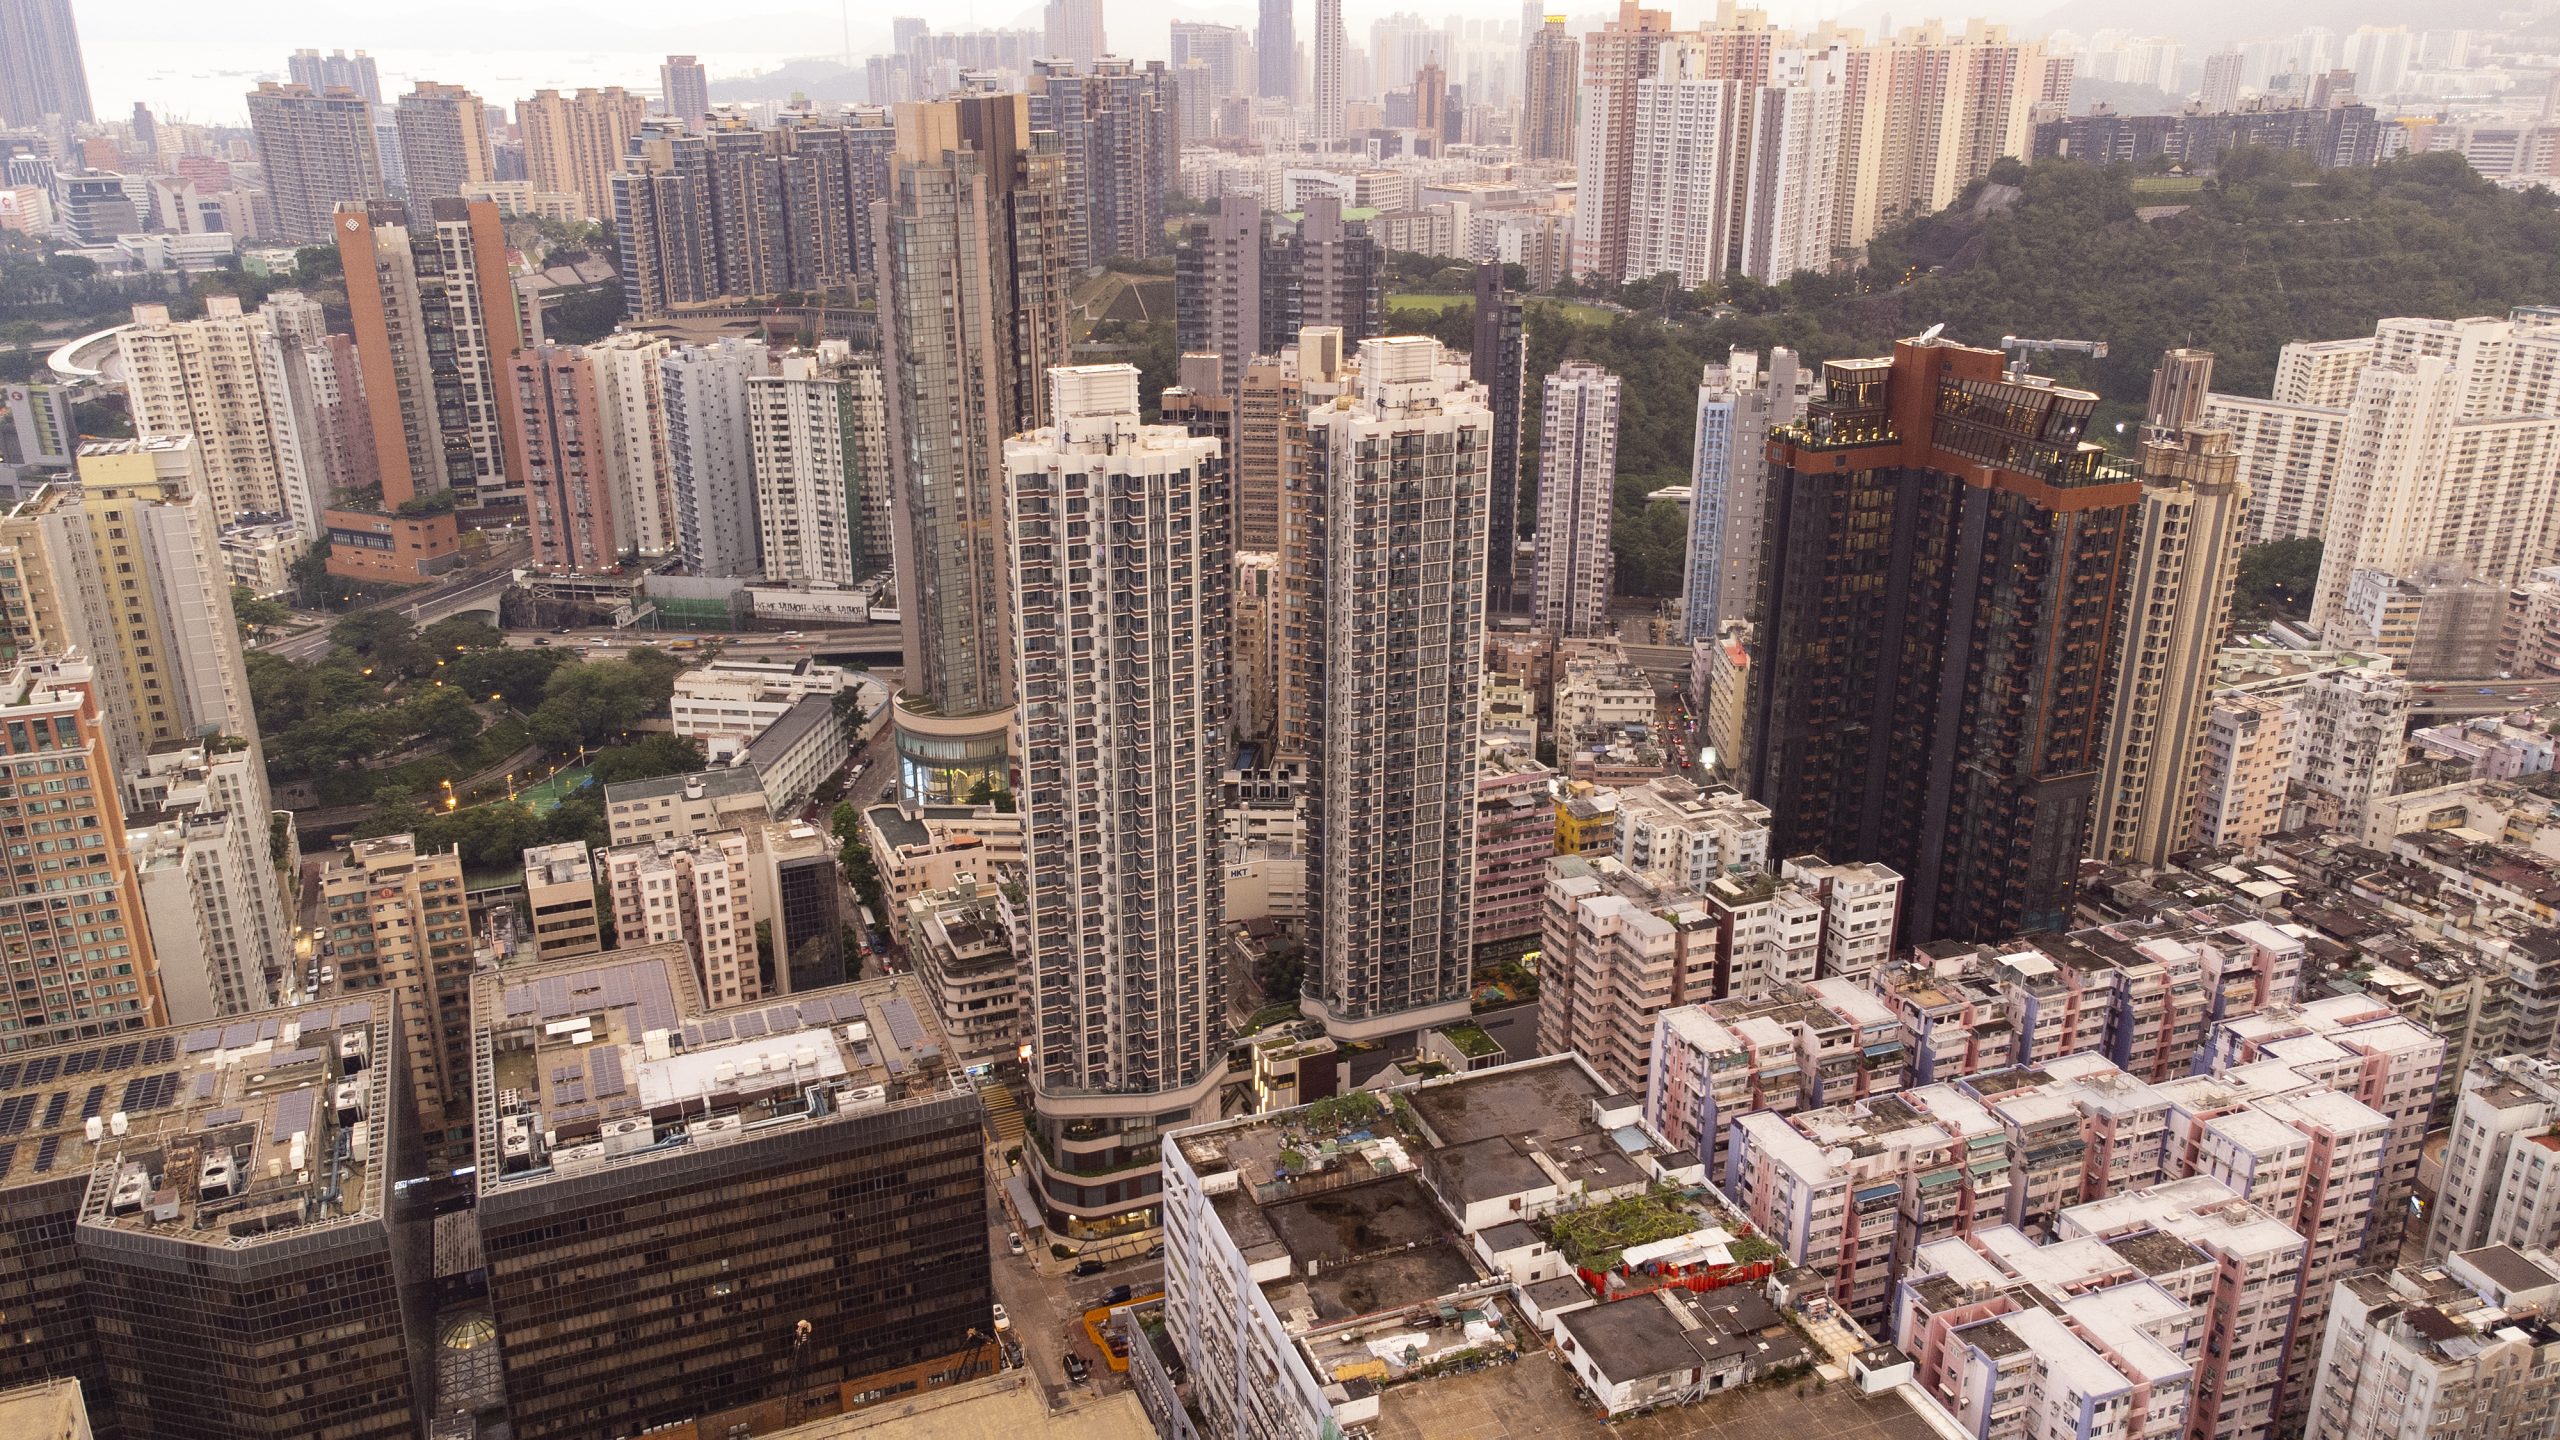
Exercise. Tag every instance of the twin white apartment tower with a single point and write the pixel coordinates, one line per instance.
(1123, 619)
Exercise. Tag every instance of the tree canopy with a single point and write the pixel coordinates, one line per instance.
(2268, 251)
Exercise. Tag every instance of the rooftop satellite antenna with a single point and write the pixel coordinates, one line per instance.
(1931, 334)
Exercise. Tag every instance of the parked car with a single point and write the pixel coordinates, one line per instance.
(1088, 1267)
(541, 639)
(1013, 1243)
(1117, 1294)
(1004, 1322)
(1077, 1370)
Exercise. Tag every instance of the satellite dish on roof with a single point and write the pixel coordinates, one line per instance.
(1933, 332)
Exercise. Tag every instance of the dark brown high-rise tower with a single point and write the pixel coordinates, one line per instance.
(1940, 592)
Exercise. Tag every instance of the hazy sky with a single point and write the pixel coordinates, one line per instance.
(193, 60)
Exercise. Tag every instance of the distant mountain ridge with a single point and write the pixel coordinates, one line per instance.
(2211, 24)
(827, 82)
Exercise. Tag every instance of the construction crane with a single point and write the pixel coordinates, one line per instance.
(2016, 347)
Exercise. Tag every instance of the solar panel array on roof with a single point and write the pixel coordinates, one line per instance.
(199, 1041)
(227, 1115)
(518, 1000)
(8, 1157)
(159, 1050)
(204, 1086)
(903, 1023)
(604, 1064)
(42, 1069)
(657, 1004)
(783, 1018)
(45, 1152)
(15, 1112)
(81, 1062)
(293, 1113)
(355, 1013)
(717, 1031)
(9, 1075)
(751, 1026)
(121, 1057)
(573, 1114)
(89, 1107)
(150, 1092)
(244, 1032)
(54, 1107)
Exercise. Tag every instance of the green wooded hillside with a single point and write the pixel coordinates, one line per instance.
(2268, 251)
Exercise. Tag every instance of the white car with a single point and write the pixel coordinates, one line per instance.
(1013, 1242)
(1004, 1322)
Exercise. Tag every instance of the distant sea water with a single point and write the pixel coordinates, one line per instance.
(206, 82)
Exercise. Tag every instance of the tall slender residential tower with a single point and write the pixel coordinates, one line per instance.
(1398, 671)
(147, 506)
(336, 70)
(1332, 58)
(318, 151)
(1217, 287)
(1935, 110)
(1553, 58)
(1577, 483)
(1073, 30)
(2448, 450)
(62, 986)
(1616, 60)
(1282, 397)
(821, 457)
(1499, 362)
(435, 320)
(568, 483)
(41, 73)
(1792, 170)
(1942, 585)
(711, 453)
(684, 90)
(974, 281)
(397, 922)
(1275, 50)
(204, 378)
(738, 211)
(632, 433)
(2195, 512)
(2180, 385)
(1114, 120)
(1122, 597)
(444, 141)
(574, 143)
(315, 407)
(126, 568)
(1680, 205)
(1738, 403)
(1325, 273)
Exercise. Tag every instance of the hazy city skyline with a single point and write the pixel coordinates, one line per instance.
(148, 52)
